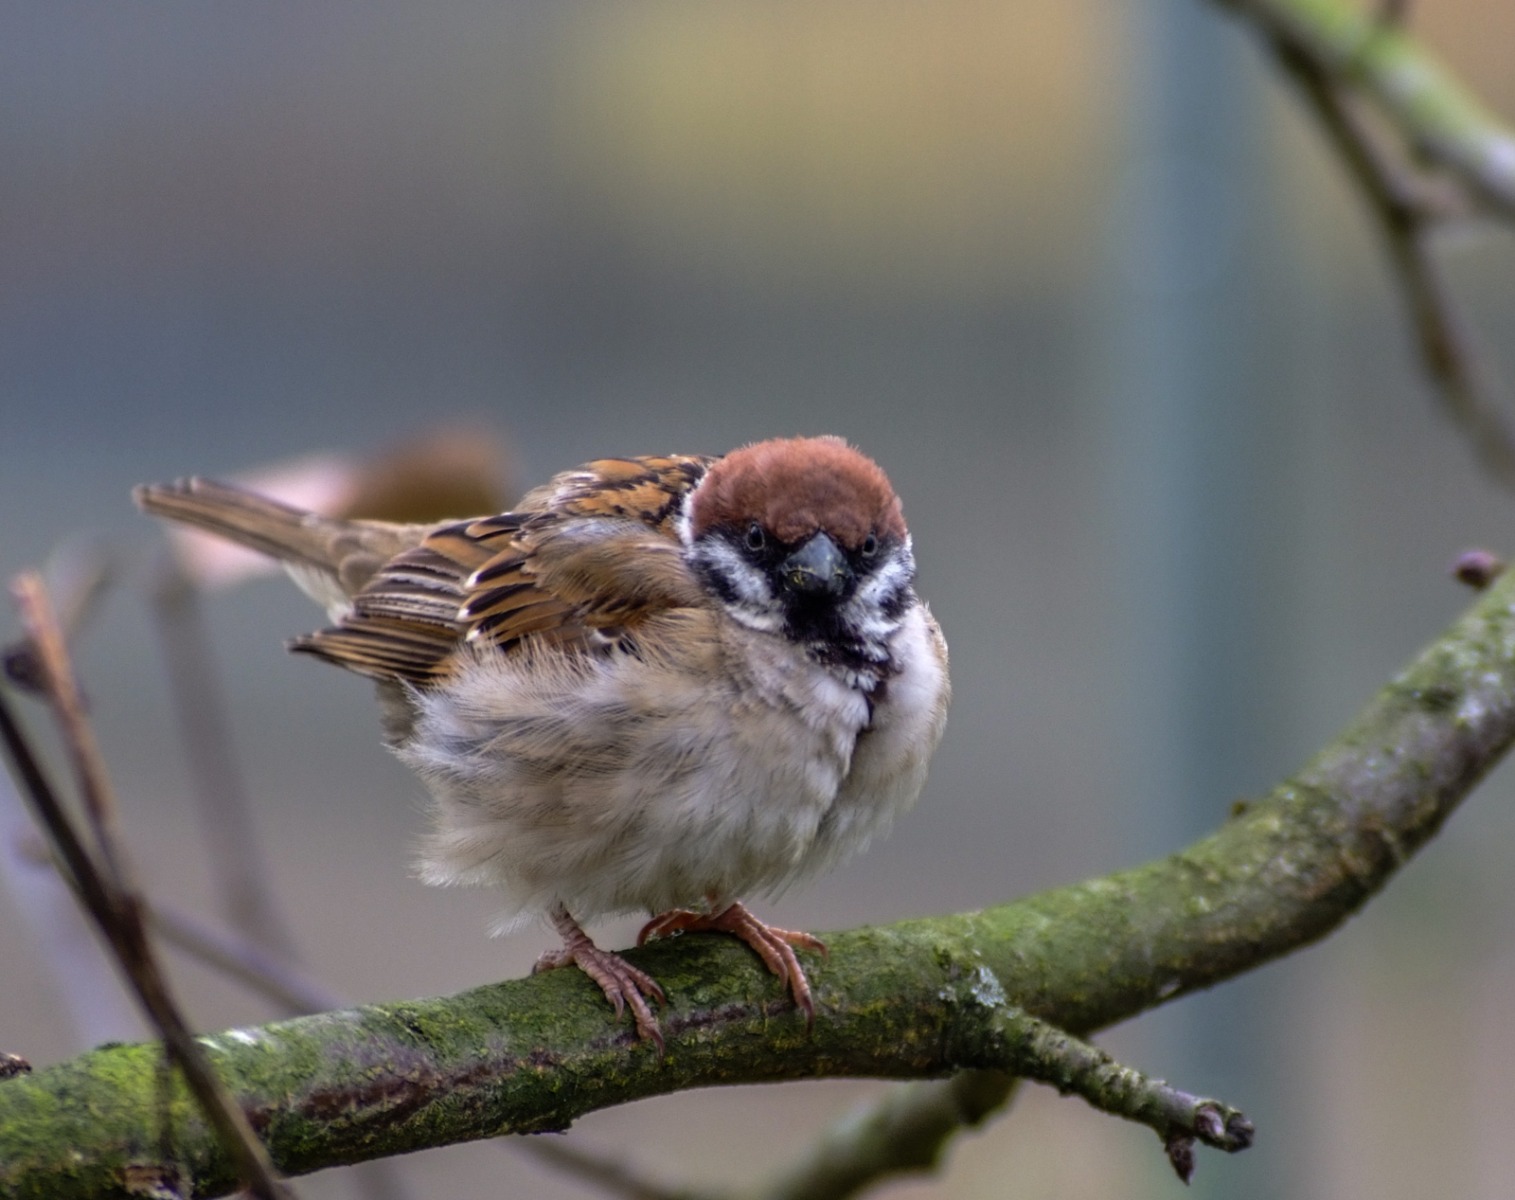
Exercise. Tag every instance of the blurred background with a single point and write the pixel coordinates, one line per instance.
(1084, 281)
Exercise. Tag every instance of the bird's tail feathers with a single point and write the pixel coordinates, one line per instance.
(268, 526)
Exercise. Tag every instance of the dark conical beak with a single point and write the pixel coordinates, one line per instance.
(818, 568)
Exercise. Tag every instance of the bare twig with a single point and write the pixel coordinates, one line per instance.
(106, 885)
(1449, 156)
(904, 1132)
(243, 960)
(1407, 208)
(1438, 118)
(62, 693)
(98, 1009)
(225, 809)
(79, 571)
(1051, 1055)
(607, 1172)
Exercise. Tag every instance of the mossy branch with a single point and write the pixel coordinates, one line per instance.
(917, 999)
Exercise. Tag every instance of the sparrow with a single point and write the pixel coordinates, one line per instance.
(656, 685)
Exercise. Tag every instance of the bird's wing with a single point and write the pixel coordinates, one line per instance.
(578, 565)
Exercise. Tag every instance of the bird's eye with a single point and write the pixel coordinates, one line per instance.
(870, 545)
(756, 539)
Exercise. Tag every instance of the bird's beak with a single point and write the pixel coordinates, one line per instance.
(818, 568)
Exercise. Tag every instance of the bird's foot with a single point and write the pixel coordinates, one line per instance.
(773, 945)
(623, 984)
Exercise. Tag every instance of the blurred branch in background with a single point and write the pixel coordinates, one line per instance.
(906, 1132)
(1408, 208)
(78, 573)
(96, 868)
(1436, 116)
(233, 849)
(1425, 153)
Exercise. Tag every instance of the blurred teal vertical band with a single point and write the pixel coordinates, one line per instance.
(1195, 401)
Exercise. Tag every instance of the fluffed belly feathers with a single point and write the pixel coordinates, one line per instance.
(609, 784)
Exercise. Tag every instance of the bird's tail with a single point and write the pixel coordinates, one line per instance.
(268, 526)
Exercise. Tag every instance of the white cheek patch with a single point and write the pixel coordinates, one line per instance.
(892, 577)
(868, 611)
(753, 603)
(683, 523)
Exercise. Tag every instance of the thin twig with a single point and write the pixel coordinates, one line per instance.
(79, 871)
(107, 888)
(245, 961)
(1406, 211)
(1040, 1050)
(99, 1009)
(1434, 114)
(904, 1132)
(609, 1173)
(205, 732)
(79, 572)
(62, 692)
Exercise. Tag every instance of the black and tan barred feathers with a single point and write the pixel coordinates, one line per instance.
(419, 593)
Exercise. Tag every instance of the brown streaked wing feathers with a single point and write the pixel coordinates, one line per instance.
(592, 549)
(404, 622)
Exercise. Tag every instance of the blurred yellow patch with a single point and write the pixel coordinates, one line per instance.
(938, 142)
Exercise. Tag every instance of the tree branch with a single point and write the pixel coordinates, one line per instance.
(899, 1001)
(904, 1131)
(100, 876)
(1406, 210)
(1438, 117)
(1342, 60)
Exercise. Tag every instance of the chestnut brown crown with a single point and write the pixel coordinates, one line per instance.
(794, 487)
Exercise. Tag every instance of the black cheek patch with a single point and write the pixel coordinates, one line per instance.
(894, 604)
(714, 579)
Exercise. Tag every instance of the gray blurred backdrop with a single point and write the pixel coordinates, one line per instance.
(1084, 281)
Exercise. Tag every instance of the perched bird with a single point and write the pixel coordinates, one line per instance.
(657, 685)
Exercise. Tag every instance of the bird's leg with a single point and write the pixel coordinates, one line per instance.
(624, 986)
(773, 945)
